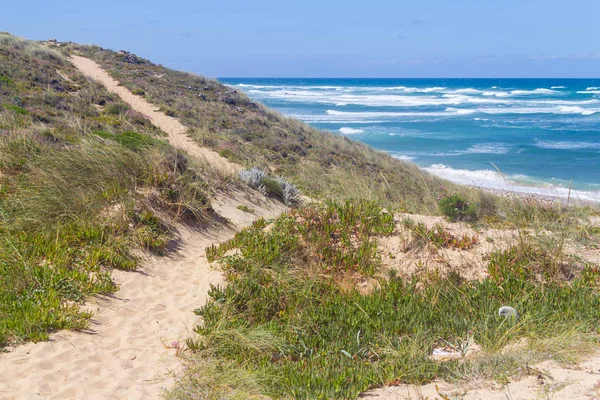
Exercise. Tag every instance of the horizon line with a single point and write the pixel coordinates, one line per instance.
(374, 77)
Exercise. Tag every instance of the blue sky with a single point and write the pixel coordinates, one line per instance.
(264, 38)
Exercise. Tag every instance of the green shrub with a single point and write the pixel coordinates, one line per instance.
(116, 108)
(440, 237)
(134, 141)
(278, 188)
(104, 134)
(456, 208)
(272, 188)
(15, 109)
(168, 111)
(151, 232)
(5, 80)
(227, 153)
(245, 208)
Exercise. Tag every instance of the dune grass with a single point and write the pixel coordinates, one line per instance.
(322, 164)
(83, 182)
(288, 324)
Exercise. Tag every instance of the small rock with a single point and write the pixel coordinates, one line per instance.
(506, 311)
(228, 100)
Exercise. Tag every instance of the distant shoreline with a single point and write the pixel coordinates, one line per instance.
(540, 132)
(539, 198)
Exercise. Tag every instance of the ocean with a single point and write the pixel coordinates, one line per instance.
(540, 133)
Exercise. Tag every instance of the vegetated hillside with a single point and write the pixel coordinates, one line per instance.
(324, 165)
(84, 180)
(321, 163)
(295, 322)
(310, 311)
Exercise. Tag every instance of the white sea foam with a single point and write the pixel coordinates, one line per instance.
(243, 85)
(351, 115)
(381, 114)
(450, 111)
(490, 179)
(404, 89)
(575, 110)
(426, 90)
(394, 88)
(480, 148)
(334, 116)
(593, 88)
(350, 131)
(327, 119)
(540, 110)
(388, 99)
(496, 93)
(372, 100)
(460, 111)
(561, 102)
(457, 104)
(488, 148)
(482, 178)
(412, 101)
(402, 156)
(467, 91)
(440, 102)
(536, 91)
(566, 145)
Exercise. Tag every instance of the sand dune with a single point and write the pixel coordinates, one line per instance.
(131, 352)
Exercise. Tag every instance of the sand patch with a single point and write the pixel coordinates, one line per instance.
(399, 252)
(547, 380)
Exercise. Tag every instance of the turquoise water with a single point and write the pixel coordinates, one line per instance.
(541, 133)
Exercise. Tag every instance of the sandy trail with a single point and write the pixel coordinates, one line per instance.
(132, 352)
(175, 130)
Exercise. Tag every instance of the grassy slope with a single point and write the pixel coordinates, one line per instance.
(83, 181)
(322, 164)
(287, 326)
